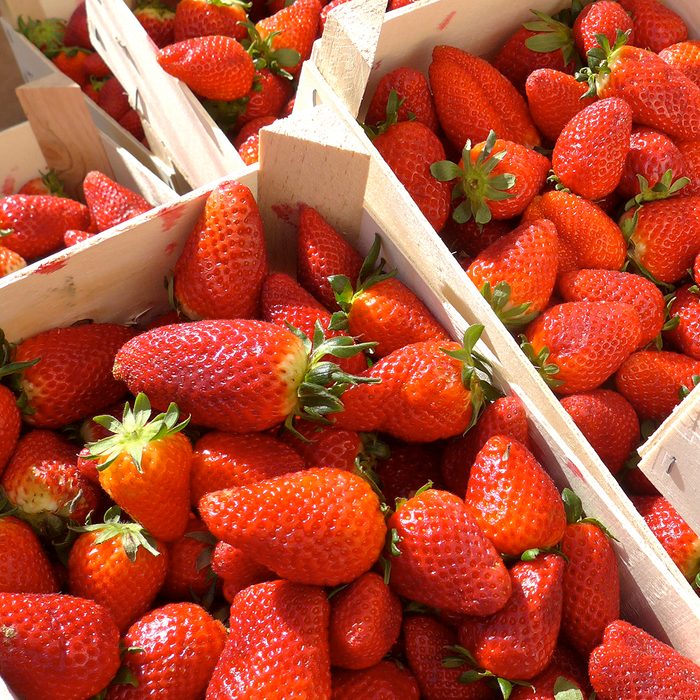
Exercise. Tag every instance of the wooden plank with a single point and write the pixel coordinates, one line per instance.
(11, 9)
(56, 109)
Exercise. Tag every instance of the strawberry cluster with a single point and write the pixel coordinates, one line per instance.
(369, 518)
(596, 265)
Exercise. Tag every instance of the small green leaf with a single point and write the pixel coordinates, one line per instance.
(565, 689)
(445, 171)
(572, 506)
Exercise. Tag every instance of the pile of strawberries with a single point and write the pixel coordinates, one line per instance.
(572, 204)
(369, 518)
(40, 218)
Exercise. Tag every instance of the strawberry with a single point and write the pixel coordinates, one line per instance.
(565, 666)
(655, 25)
(554, 98)
(408, 468)
(686, 308)
(365, 623)
(215, 67)
(325, 446)
(601, 17)
(512, 499)
(466, 90)
(236, 569)
(56, 647)
(77, 28)
(427, 642)
(73, 376)
(385, 681)
(664, 237)
(26, 568)
(439, 556)
(382, 309)
(266, 98)
(47, 183)
(71, 62)
(610, 285)
(33, 225)
(73, 237)
(608, 421)
(517, 273)
(113, 99)
(265, 521)
(96, 67)
(175, 650)
(224, 460)
(413, 93)
(110, 203)
(519, 640)
(651, 154)
(47, 35)
(655, 382)
(195, 18)
(322, 252)
(251, 130)
(675, 535)
(632, 664)
(119, 566)
(471, 238)
(10, 424)
(159, 23)
(685, 56)
(284, 627)
(588, 238)
(496, 178)
(92, 88)
(132, 123)
(249, 150)
(589, 154)
(221, 268)
(327, 8)
(239, 376)
(144, 466)
(691, 157)
(586, 340)
(410, 148)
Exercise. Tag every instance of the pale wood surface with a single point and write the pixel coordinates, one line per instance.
(10, 78)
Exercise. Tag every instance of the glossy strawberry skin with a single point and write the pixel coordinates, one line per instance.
(10, 425)
(266, 520)
(267, 97)
(113, 99)
(236, 569)
(180, 645)
(656, 26)
(325, 445)
(472, 578)
(471, 238)
(110, 203)
(285, 625)
(685, 56)
(56, 647)
(188, 573)
(564, 664)
(385, 681)
(602, 17)
(77, 33)
(159, 24)
(686, 335)
(195, 18)
(519, 640)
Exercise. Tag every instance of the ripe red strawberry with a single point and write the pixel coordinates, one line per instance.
(427, 642)
(651, 154)
(675, 535)
(471, 238)
(601, 17)
(365, 623)
(472, 98)
(215, 67)
(224, 460)
(268, 96)
(47, 183)
(610, 285)
(249, 150)
(632, 664)
(10, 424)
(685, 56)
(322, 252)
(113, 99)
(96, 67)
(516, 274)
(439, 556)
(110, 203)
(71, 62)
(519, 640)
(159, 23)
(686, 308)
(586, 340)
(73, 378)
(73, 237)
(145, 467)
(33, 225)
(56, 647)
(194, 18)
(512, 499)
(324, 445)
(653, 382)
(221, 268)
(119, 566)
(266, 519)
(249, 131)
(589, 154)
(176, 650)
(565, 664)
(413, 92)
(132, 123)
(236, 569)
(656, 25)
(239, 376)
(385, 681)
(25, 566)
(408, 468)
(691, 157)
(76, 29)
(608, 421)
(588, 238)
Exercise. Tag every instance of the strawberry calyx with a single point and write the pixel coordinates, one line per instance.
(600, 60)
(134, 432)
(532, 554)
(132, 535)
(575, 514)
(684, 391)
(666, 187)
(670, 322)
(566, 689)
(393, 104)
(552, 33)
(512, 316)
(124, 675)
(47, 35)
(231, 3)
(474, 182)
(8, 367)
(540, 360)
(226, 114)
(52, 183)
(265, 56)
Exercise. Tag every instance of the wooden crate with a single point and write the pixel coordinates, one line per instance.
(34, 65)
(359, 46)
(121, 279)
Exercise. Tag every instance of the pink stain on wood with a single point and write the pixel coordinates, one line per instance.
(170, 216)
(377, 65)
(288, 213)
(443, 25)
(49, 267)
(574, 469)
(170, 248)
(8, 185)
